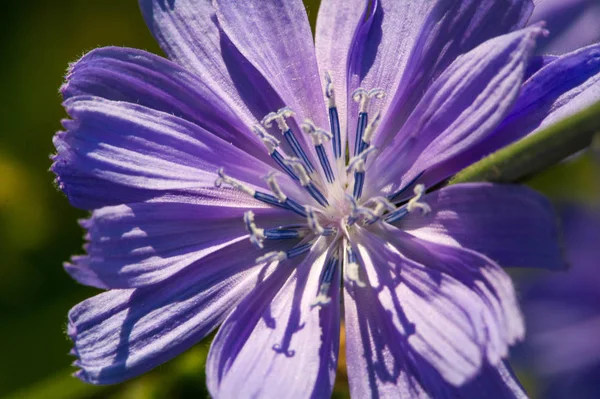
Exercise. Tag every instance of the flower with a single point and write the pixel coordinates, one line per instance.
(563, 314)
(573, 23)
(224, 189)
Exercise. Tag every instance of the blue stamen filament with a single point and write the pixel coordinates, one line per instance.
(334, 121)
(280, 118)
(323, 297)
(319, 136)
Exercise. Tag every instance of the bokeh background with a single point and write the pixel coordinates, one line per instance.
(38, 228)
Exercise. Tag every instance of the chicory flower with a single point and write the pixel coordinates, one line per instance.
(258, 181)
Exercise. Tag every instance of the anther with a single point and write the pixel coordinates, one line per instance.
(414, 202)
(257, 236)
(334, 121)
(319, 136)
(352, 269)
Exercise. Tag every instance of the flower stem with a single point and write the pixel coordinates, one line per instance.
(537, 152)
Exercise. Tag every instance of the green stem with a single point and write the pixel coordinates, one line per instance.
(536, 152)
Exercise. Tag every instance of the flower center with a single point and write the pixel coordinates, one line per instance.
(336, 187)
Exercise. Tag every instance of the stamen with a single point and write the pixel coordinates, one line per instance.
(298, 250)
(352, 269)
(370, 131)
(270, 179)
(396, 215)
(257, 235)
(357, 164)
(275, 256)
(403, 189)
(363, 97)
(281, 234)
(414, 203)
(224, 179)
(358, 211)
(268, 140)
(382, 204)
(281, 199)
(280, 118)
(278, 256)
(305, 181)
(272, 143)
(334, 121)
(323, 297)
(319, 136)
(313, 222)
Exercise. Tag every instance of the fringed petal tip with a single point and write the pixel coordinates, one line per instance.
(80, 272)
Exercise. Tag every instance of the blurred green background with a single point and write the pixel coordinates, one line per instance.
(38, 229)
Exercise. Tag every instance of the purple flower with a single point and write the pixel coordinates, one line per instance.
(563, 314)
(573, 23)
(257, 180)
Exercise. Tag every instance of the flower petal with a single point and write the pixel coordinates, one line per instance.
(573, 23)
(144, 243)
(382, 364)
(275, 37)
(120, 334)
(464, 104)
(453, 307)
(513, 225)
(560, 89)
(114, 152)
(136, 76)
(275, 344)
(338, 23)
(412, 42)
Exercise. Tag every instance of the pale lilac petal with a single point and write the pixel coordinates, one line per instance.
(136, 76)
(560, 89)
(453, 307)
(382, 364)
(338, 24)
(275, 344)
(120, 334)
(513, 225)
(140, 244)
(275, 37)
(114, 152)
(189, 33)
(463, 105)
(411, 43)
